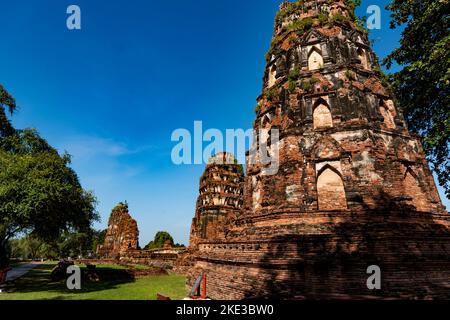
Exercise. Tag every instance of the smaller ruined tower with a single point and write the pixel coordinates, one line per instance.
(122, 234)
(221, 192)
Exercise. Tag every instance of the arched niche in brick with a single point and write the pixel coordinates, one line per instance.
(266, 121)
(272, 76)
(413, 189)
(322, 117)
(315, 58)
(257, 192)
(330, 190)
(362, 56)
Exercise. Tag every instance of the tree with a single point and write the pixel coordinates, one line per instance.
(6, 100)
(160, 239)
(74, 244)
(39, 193)
(98, 238)
(30, 247)
(422, 87)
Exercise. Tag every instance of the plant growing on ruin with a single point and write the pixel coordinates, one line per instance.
(339, 18)
(349, 75)
(323, 18)
(294, 74)
(258, 108)
(308, 84)
(271, 94)
(292, 85)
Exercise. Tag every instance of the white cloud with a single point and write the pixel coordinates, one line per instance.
(85, 147)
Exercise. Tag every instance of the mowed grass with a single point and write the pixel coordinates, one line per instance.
(37, 285)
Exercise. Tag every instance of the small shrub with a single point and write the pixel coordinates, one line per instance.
(271, 94)
(349, 75)
(323, 18)
(338, 17)
(292, 86)
(306, 85)
(258, 109)
(314, 80)
(294, 74)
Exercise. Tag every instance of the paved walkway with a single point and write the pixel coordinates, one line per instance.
(20, 270)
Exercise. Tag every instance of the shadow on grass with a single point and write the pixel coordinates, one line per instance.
(39, 280)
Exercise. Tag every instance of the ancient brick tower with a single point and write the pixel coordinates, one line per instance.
(122, 234)
(220, 199)
(353, 188)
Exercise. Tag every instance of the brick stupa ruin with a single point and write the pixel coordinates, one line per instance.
(353, 190)
(122, 235)
(220, 199)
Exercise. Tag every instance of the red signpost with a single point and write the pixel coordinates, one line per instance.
(199, 291)
(3, 274)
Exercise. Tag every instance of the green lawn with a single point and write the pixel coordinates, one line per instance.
(36, 285)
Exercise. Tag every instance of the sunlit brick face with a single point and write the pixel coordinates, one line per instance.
(413, 189)
(272, 76)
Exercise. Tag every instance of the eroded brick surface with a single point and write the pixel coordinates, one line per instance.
(122, 234)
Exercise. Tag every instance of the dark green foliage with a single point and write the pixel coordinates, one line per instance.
(160, 238)
(323, 18)
(98, 238)
(308, 84)
(422, 86)
(294, 74)
(39, 193)
(349, 75)
(6, 100)
(258, 109)
(292, 86)
(271, 94)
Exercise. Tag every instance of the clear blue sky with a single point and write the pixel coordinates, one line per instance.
(112, 93)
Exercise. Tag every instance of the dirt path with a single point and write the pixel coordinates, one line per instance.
(20, 270)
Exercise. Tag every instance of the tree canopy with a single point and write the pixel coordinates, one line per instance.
(422, 86)
(6, 100)
(160, 239)
(39, 193)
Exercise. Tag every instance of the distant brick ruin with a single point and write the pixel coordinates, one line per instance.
(122, 234)
(122, 243)
(220, 199)
(353, 189)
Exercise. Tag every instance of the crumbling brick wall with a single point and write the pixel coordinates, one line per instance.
(122, 234)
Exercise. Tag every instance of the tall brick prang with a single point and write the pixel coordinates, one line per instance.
(353, 187)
